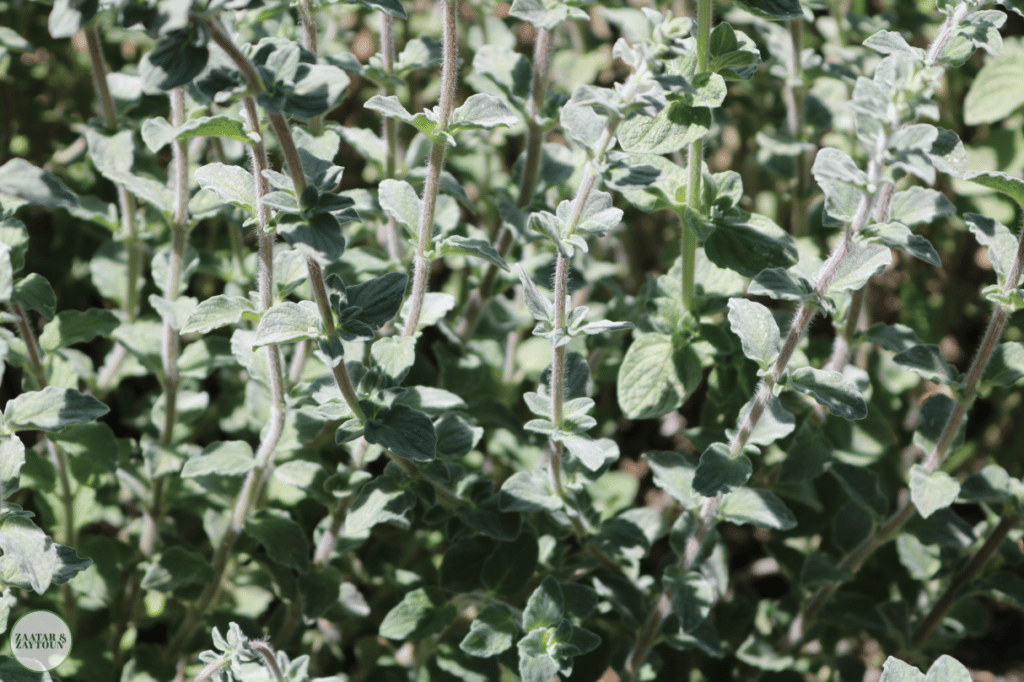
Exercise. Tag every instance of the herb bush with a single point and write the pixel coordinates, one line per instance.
(437, 341)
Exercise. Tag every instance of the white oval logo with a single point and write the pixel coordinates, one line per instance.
(40, 640)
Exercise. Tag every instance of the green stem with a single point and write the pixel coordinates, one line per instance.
(793, 94)
(316, 124)
(449, 79)
(267, 654)
(393, 235)
(695, 160)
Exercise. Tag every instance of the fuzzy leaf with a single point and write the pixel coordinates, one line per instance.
(757, 507)
(719, 473)
(482, 111)
(995, 92)
(286, 322)
(216, 312)
(656, 376)
(758, 332)
(673, 473)
(476, 248)
(932, 492)
(422, 612)
(52, 409)
(832, 390)
(491, 632)
(406, 432)
(222, 458)
(176, 567)
(672, 129)
(282, 537)
(773, 9)
(232, 184)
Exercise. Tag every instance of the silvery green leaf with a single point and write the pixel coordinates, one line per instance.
(68, 16)
(422, 612)
(927, 361)
(757, 329)
(547, 15)
(282, 537)
(174, 312)
(150, 191)
(456, 436)
(52, 409)
(177, 58)
(895, 670)
(833, 164)
(433, 401)
(394, 355)
(605, 326)
(508, 70)
(898, 236)
(382, 500)
(482, 111)
(582, 125)
(222, 458)
(419, 53)
(318, 237)
(719, 473)
(948, 154)
(545, 607)
(656, 376)
(176, 567)
(491, 632)
(757, 507)
(111, 153)
(537, 303)
(463, 246)
(287, 322)
(29, 549)
(832, 390)
(673, 473)
(1006, 366)
(6, 273)
(981, 29)
(283, 201)
(33, 292)
(35, 185)
(887, 42)
(391, 107)
(991, 484)
(672, 129)
(435, 306)
(710, 91)
(895, 338)
(231, 183)
(863, 262)
(399, 199)
(994, 93)
(932, 492)
(918, 205)
(407, 432)
(12, 458)
(911, 149)
(778, 283)
(215, 312)
(819, 570)
(776, 422)
(528, 491)
(733, 54)
(392, 7)
(94, 441)
(319, 90)
(748, 243)
(773, 9)
(592, 453)
(936, 412)
(1009, 185)
(597, 217)
(692, 596)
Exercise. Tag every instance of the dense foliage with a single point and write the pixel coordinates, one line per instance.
(476, 341)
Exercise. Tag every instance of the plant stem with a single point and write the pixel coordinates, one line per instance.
(945, 602)
(527, 183)
(793, 94)
(449, 79)
(390, 131)
(316, 124)
(256, 478)
(934, 460)
(59, 457)
(294, 163)
(125, 200)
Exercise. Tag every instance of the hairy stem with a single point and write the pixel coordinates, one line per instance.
(976, 563)
(125, 200)
(527, 183)
(316, 124)
(449, 79)
(390, 133)
(793, 95)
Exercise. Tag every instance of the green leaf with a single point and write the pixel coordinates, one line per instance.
(547, 15)
(421, 613)
(12, 458)
(719, 473)
(757, 329)
(927, 361)
(75, 326)
(995, 92)
(997, 240)
(93, 441)
(222, 458)
(748, 243)
(932, 492)
(379, 298)
(488, 518)
(1006, 367)
(672, 129)
(862, 486)
(482, 111)
(899, 236)
(757, 507)
(287, 322)
(157, 132)
(176, 59)
(673, 473)
(528, 491)
(216, 312)
(284, 540)
(34, 185)
(1001, 182)
(657, 375)
(819, 570)
(52, 409)
(477, 248)
(773, 9)
(776, 422)
(395, 355)
(33, 292)
(593, 454)
(832, 390)
(405, 431)
(692, 596)
(6, 273)
(176, 567)
(918, 205)
(780, 284)
(509, 568)
(400, 200)
(318, 237)
(382, 500)
(863, 262)
(232, 184)
(460, 566)
(545, 607)
(30, 550)
(491, 632)
(391, 107)
(68, 16)
(392, 7)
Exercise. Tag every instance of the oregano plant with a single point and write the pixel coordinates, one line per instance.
(582, 341)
